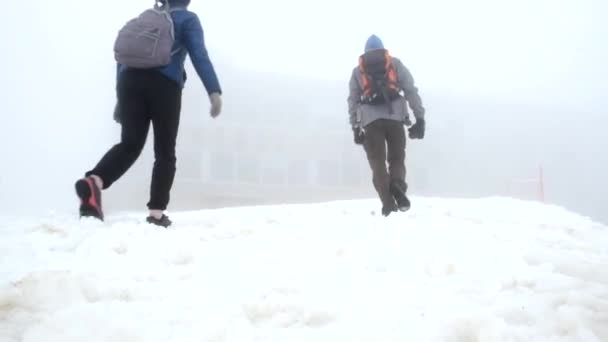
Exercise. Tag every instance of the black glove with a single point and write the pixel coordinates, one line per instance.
(359, 135)
(417, 129)
(117, 113)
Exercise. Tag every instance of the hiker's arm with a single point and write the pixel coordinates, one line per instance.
(354, 97)
(195, 44)
(406, 82)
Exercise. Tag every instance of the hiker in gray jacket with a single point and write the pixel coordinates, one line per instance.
(381, 88)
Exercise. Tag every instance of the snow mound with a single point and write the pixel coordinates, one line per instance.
(451, 270)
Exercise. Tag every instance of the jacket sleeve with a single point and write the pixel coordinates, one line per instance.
(354, 98)
(406, 82)
(194, 41)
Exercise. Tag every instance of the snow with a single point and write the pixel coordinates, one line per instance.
(455, 270)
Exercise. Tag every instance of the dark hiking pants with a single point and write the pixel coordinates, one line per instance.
(145, 97)
(385, 142)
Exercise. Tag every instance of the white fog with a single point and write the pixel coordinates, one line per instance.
(276, 232)
(508, 88)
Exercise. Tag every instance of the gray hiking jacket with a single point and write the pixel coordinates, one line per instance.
(364, 114)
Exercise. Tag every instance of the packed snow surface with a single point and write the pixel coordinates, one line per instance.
(451, 270)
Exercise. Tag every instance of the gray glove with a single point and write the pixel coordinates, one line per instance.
(216, 104)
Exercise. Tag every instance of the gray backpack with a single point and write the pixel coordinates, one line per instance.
(146, 41)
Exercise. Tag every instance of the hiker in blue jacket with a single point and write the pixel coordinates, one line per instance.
(152, 96)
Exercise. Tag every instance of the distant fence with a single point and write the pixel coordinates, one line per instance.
(528, 188)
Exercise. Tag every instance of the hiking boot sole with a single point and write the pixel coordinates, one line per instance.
(90, 199)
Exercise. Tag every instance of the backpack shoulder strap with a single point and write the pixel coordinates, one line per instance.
(163, 8)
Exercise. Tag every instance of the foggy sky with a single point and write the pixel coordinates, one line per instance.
(535, 68)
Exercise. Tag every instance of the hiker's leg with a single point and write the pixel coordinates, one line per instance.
(375, 148)
(396, 153)
(396, 161)
(165, 109)
(135, 126)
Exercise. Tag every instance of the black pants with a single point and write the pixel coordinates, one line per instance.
(145, 97)
(385, 143)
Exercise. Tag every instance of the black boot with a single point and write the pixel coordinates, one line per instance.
(388, 209)
(163, 221)
(398, 191)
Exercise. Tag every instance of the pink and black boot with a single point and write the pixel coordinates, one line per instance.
(90, 198)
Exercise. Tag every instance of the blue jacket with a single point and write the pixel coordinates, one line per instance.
(189, 39)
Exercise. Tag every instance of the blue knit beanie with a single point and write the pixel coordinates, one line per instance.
(373, 43)
(173, 3)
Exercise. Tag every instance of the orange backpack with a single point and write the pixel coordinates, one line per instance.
(378, 78)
